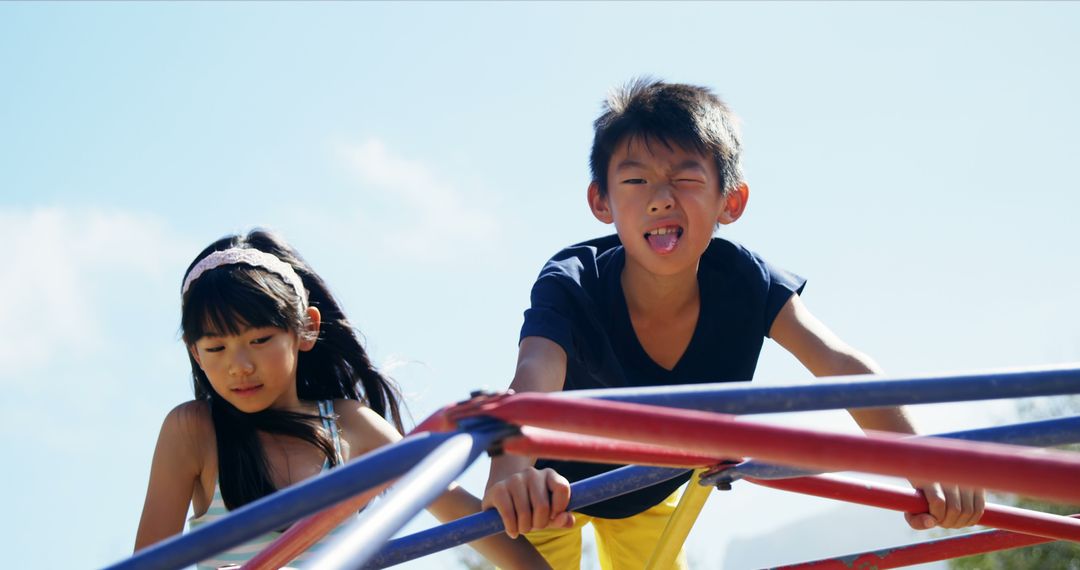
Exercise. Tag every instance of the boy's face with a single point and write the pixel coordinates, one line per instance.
(664, 202)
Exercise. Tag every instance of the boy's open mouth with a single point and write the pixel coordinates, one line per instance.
(663, 240)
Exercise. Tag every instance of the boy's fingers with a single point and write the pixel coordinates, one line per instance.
(935, 507)
(560, 491)
(980, 505)
(953, 506)
(563, 520)
(519, 493)
(499, 499)
(919, 521)
(973, 503)
(490, 496)
(967, 509)
(524, 503)
(935, 501)
(541, 506)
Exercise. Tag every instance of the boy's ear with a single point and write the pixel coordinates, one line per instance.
(734, 204)
(599, 204)
(311, 334)
(194, 354)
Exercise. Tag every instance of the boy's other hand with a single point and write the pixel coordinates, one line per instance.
(531, 500)
(950, 506)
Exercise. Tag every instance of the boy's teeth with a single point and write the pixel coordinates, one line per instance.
(662, 231)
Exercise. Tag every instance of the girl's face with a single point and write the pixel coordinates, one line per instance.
(253, 370)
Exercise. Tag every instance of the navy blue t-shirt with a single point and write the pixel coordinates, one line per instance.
(578, 303)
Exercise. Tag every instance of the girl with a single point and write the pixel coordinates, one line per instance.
(277, 371)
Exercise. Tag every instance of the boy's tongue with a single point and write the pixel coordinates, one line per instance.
(664, 243)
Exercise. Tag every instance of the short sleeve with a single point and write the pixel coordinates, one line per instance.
(781, 284)
(561, 308)
(547, 316)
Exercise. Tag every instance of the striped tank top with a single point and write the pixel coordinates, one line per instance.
(238, 555)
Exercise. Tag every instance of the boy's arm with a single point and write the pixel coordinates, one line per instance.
(528, 499)
(825, 354)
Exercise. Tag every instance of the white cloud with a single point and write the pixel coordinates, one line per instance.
(411, 211)
(63, 269)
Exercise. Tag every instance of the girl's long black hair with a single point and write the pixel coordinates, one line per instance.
(231, 298)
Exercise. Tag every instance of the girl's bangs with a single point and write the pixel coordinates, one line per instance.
(226, 303)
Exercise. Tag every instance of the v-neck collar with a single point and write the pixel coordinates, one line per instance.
(625, 326)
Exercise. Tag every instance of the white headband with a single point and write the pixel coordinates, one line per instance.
(246, 256)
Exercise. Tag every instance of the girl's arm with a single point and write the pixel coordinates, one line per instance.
(365, 430)
(175, 469)
(500, 549)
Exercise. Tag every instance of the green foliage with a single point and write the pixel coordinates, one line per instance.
(1059, 555)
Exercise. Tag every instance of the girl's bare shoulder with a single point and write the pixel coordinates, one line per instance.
(193, 416)
(364, 429)
(190, 426)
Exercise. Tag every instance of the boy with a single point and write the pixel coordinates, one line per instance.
(663, 302)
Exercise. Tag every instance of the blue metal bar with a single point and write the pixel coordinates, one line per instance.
(467, 529)
(284, 507)
(852, 392)
(1044, 433)
(361, 540)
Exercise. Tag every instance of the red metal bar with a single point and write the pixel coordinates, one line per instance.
(437, 421)
(923, 552)
(1050, 475)
(540, 442)
(558, 445)
(910, 501)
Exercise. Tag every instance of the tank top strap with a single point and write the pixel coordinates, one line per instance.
(329, 421)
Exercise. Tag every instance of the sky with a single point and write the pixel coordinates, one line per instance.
(912, 160)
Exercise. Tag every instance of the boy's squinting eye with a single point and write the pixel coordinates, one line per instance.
(262, 339)
(215, 348)
(634, 181)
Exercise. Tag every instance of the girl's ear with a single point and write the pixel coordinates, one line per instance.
(311, 332)
(195, 354)
(734, 204)
(599, 204)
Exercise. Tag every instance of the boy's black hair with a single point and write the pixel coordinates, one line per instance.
(227, 300)
(687, 116)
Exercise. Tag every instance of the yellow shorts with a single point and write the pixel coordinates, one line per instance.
(621, 544)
